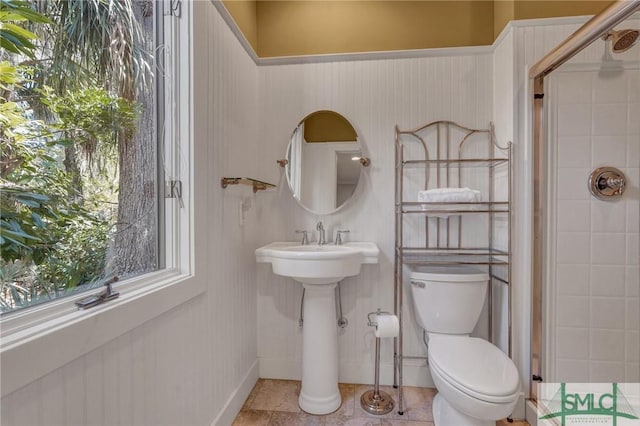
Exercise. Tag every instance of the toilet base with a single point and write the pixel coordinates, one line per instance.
(445, 415)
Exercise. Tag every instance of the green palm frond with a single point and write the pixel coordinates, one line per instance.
(104, 39)
(13, 37)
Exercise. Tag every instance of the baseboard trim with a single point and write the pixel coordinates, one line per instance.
(532, 413)
(415, 372)
(238, 397)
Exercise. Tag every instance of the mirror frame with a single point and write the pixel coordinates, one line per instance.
(364, 162)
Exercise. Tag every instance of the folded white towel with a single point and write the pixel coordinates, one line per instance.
(449, 195)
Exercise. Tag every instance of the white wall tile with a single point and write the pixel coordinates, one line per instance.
(574, 151)
(606, 345)
(601, 371)
(572, 183)
(571, 370)
(608, 216)
(632, 281)
(572, 279)
(573, 311)
(576, 88)
(612, 282)
(633, 346)
(574, 119)
(573, 247)
(633, 150)
(608, 280)
(633, 249)
(633, 122)
(632, 313)
(610, 90)
(572, 342)
(574, 216)
(632, 372)
(608, 249)
(609, 151)
(633, 93)
(607, 312)
(609, 119)
(632, 217)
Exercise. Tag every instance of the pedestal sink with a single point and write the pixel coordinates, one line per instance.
(319, 268)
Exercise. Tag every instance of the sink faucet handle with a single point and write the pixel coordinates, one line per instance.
(321, 235)
(339, 233)
(305, 237)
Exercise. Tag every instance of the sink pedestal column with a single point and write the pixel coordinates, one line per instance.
(319, 393)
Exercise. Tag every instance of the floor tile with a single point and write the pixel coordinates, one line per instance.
(347, 393)
(280, 418)
(417, 403)
(351, 421)
(275, 403)
(252, 418)
(277, 395)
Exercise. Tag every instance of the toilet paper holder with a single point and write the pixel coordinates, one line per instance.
(376, 401)
(372, 323)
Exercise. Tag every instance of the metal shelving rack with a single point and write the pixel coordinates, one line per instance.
(453, 156)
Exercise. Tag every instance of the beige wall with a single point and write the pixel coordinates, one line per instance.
(320, 27)
(503, 12)
(307, 27)
(244, 12)
(530, 9)
(509, 10)
(328, 126)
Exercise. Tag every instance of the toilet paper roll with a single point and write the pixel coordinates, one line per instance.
(388, 326)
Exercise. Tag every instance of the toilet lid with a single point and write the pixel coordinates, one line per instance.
(474, 365)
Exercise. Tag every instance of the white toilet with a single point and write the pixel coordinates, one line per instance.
(477, 383)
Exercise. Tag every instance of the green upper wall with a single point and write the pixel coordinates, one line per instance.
(308, 27)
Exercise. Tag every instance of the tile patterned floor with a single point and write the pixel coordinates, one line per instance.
(275, 403)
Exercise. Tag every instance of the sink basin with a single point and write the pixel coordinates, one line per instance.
(317, 264)
(319, 268)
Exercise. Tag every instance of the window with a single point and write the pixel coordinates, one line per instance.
(86, 144)
(28, 334)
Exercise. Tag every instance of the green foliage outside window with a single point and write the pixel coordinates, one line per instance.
(60, 162)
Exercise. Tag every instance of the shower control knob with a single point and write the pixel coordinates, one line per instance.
(607, 183)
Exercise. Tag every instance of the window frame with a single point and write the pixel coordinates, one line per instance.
(27, 335)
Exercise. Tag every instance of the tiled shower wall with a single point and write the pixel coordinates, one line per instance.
(594, 301)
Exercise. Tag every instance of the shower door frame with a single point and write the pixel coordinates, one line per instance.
(592, 30)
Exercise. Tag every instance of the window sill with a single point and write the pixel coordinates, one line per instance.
(41, 340)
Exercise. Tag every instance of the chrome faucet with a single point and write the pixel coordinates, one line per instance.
(305, 238)
(339, 236)
(321, 237)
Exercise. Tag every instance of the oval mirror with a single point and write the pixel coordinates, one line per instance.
(323, 162)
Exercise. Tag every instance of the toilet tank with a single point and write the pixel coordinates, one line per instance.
(448, 300)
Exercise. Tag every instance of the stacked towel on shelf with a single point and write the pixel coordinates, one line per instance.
(450, 195)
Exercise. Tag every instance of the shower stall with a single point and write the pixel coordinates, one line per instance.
(586, 141)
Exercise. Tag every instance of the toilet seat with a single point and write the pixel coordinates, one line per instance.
(475, 367)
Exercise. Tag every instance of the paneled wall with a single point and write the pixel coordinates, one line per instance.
(374, 95)
(184, 366)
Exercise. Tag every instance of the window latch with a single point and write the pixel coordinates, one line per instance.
(97, 299)
(173, 8)
(173, 189)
